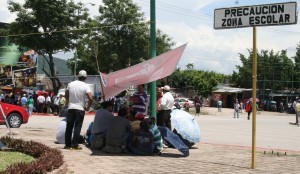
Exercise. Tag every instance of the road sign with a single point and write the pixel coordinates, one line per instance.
(258, 15)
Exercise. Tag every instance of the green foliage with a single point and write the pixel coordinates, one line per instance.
(202, 81)
(39, 25)
(47, 158)
(9, 158)
(297, 64)
(274, 71)
(122, 39)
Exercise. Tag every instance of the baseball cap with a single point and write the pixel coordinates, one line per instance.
(167, 88)
(82, 73)
(140, 116)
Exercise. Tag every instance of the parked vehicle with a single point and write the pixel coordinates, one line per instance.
(183, 100)
(15, 115)
(273, 106)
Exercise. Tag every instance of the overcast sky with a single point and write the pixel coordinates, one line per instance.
(191, 21)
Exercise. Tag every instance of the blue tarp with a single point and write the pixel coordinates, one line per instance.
(173, 139)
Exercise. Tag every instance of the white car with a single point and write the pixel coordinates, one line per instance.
(183, 100)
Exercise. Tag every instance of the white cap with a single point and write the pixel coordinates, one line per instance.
(167, 88)
(82, 73)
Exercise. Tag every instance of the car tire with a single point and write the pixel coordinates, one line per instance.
(14, 120)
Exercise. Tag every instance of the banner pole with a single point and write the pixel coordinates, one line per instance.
(254, 109)
(152, 55)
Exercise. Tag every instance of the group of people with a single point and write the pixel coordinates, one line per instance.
(237, 107)
(130, 131)
(40, 103)
(126, 132)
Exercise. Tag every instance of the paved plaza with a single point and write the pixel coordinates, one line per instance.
(225, 147)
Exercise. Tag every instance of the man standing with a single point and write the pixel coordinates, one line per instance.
(295, 109)
(166, 105)
(41, 102)
(48, 103)
(236, 108)
(140, 100)
(75, 97)
(220, 105)
(24, 101)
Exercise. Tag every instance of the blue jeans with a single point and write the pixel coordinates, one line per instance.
(74, 120)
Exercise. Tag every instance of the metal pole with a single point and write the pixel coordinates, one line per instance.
(254, 78)
(152, 54)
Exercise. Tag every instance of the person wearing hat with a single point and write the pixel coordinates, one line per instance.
(75, 96)
(166, 105)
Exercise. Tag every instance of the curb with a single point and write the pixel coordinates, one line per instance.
(61, 170)
(43, 114)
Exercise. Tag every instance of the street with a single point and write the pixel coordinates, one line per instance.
(225, 147)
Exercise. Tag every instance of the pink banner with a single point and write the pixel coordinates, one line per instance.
(142, 73)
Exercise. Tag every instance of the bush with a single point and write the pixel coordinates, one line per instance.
(47, 159)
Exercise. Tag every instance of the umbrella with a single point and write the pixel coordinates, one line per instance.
(185, 125)
(257, 100)
(173, 139)
(274, 102)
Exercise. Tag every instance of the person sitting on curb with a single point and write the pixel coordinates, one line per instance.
(157, 138)
(61, 130)
(142, 140)
(101, 121)
(118, 133)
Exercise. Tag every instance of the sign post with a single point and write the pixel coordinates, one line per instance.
(252, 16)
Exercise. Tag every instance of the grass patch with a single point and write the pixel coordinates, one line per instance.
(8, 158)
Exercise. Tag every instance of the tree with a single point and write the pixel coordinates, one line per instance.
(296, 58)
(45, 25)
(202, 81)
(190, 66)
(123, 38)
(274, 71)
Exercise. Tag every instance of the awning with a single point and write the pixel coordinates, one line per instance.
(231, 90)
(283, 94)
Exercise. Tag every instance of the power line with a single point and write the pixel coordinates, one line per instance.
(68, 30)
(165, 7)
(179, 12)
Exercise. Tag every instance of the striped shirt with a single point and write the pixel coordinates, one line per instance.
(141, 103)
(157, 139)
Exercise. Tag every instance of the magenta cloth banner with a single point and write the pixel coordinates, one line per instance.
(142, 73)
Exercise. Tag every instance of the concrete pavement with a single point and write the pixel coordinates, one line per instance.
(225, 147)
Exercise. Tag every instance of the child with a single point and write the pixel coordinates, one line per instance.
(142, 141)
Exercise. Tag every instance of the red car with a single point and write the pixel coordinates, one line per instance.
(15, 115)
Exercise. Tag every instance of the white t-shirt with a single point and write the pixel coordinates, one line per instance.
(77, 92)
(48, 99)
(41, 99)
(61, 130)
(167, 101)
